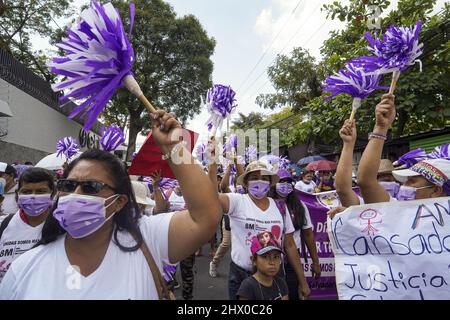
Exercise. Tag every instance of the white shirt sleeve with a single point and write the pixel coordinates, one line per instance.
(289, 227)
(308, 224)
(235, 201)
(8, 285)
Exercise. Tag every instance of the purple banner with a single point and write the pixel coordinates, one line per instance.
(318, 205)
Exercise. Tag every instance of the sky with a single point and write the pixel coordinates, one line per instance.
(249, 35)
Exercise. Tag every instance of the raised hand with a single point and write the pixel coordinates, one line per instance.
(348, 132)
(385, 112)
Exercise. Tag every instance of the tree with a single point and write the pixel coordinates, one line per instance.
(22, 19)
(422, 98)
(295, 79)
(252, 120)
(172, 66)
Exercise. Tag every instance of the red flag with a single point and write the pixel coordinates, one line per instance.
(149, 158)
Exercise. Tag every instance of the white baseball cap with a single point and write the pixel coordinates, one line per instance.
(436, 171)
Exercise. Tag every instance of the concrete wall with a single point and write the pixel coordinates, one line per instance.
(34, 129)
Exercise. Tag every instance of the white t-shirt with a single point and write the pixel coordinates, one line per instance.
(177, 202)
(9, 204)
(45, 272)
(247, 221)
(17, 238)
(308, 225)
(305, 187)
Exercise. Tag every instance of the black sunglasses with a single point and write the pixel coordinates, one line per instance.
(87, 187)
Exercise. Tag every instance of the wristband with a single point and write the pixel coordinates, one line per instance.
(380, 136)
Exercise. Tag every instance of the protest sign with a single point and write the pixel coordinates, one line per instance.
(395, 250)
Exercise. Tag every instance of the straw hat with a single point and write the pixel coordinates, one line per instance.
(386, 166)
(140, 192)
(258, 166)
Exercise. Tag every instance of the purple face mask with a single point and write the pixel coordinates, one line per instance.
(240, 189)
(284, 189)
(34, 204)
(82, 215)
(408, 193)
(258, 188)
(391, 187)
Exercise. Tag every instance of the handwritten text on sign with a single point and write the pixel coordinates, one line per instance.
(395, 250)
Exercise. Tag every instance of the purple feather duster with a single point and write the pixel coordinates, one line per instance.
(68, 147)
(97, 57)
(352, 80)
(220, 102)
(112, 138)
(398, 50)
(411, 158)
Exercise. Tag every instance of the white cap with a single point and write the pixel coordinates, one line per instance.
(437, 171)
(140, 192)
(3, 166)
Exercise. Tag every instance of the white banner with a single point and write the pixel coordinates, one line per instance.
(396, 250)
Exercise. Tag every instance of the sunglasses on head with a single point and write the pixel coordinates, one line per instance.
(87, 187)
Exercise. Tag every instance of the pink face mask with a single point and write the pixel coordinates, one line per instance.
(258, 188)
(81, 215)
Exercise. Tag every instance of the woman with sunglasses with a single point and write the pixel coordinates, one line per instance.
(93, 244)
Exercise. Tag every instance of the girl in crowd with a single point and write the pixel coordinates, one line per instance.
(253, 212)
(264, 284)
(303, 234)
(306, 183)
(97, 246)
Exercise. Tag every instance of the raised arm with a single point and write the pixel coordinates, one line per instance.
(224, 184)
(188, 229)
(161, 204)
(371, 190)
(343, 179)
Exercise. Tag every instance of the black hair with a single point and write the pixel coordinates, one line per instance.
(11, 171)
(295, 207)
(126, 219)
(35, 175)
(28, 163)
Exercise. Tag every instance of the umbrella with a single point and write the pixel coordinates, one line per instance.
(53, 162)
(307, 160)
(322, 165)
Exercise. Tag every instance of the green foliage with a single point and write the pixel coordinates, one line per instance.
(22, 19)
(252, 120)
(422, 98)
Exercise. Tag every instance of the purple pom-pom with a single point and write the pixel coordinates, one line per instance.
(220, 102)
(112, 138)
(411, 158)
(201, 153)
(352, 80)
(398, 50)
(230, 143)
(251, 153)
(98, 55)
(441, 152)
(68, 147)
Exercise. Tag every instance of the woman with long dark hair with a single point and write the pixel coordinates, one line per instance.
(97, 246)
(284, 190)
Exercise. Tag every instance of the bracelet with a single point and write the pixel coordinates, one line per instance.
(169, 155)
(380, 136)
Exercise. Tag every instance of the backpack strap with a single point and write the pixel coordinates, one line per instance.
(5, 223)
